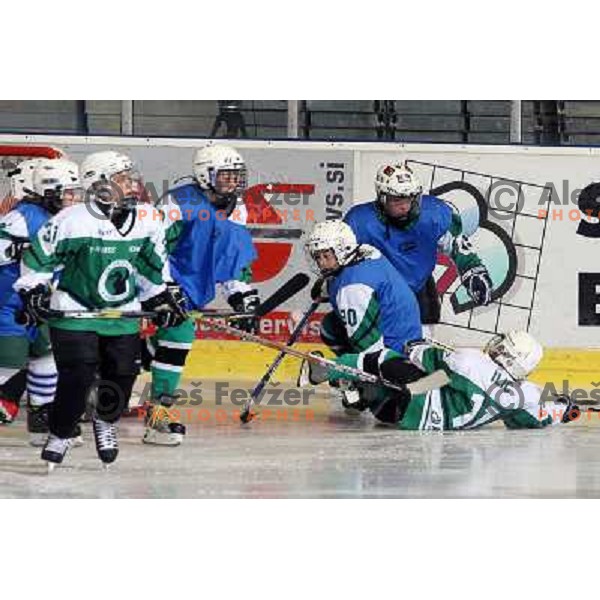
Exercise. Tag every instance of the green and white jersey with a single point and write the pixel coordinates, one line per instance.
(479, 392)
(102, 265)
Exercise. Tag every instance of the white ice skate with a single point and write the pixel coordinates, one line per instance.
(161, 429)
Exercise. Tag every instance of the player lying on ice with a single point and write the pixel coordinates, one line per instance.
(484, 386)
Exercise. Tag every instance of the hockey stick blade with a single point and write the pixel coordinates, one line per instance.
(289, 289)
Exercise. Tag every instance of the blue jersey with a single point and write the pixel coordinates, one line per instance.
(376, 304)
(23, 221)
(234, 250)
(412, 251)
(192, 255)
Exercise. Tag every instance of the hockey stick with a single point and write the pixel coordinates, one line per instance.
(281, 295)
(246, 415)
(110, 313)
(432, 381)
(289, 289)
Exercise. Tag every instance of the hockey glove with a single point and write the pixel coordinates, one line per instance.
(245, 302)
(572, 412)
(320, 290)
(14, 251)
(169, 307)
(478, 284)
(36, 306)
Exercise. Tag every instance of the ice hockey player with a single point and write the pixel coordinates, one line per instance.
(205, 247)
(484, 387)
(374, 311)
(110, 257)
(42, 187)
(234, 249)
(409, 228)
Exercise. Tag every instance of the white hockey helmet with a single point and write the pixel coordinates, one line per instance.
(210, 161)
(21, 177)
(335, 235)
(98, 170)
(398, 181)
(52, 178)
(517, 352)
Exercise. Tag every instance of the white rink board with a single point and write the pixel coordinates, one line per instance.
(546, 300)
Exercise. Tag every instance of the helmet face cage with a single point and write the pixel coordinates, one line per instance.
(413, 212)
(107, 191)
(398, 181)
(344, 249)
(502, 351)
(98, 172)
(50, 180)
(209, 162)
(53, 199)
(311, 251)
(227, 200)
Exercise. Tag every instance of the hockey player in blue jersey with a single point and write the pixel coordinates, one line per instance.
(234, 255)
(374, 312)
(205, 247)
(43, 186)
(410, 228)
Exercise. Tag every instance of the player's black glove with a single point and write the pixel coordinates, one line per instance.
(571, 412)
(15, 250)
(478, 284)
(169, 307)
(320, 290)
(36, 306)
(245, 302)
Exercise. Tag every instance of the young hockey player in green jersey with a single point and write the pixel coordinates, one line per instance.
(110, 257)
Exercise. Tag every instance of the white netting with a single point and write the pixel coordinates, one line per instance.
(10, 157)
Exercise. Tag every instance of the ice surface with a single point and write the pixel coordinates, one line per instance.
(327, 454)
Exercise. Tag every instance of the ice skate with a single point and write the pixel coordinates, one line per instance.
(105, 435)
(54, 450)
(37, 424)
(161, 429)
(311, 373)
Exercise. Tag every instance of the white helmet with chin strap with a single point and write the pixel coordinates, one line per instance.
(210, 161)
(517, 352)
(334, 235)
(398, 180)
(98, 169)
(50, 180)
